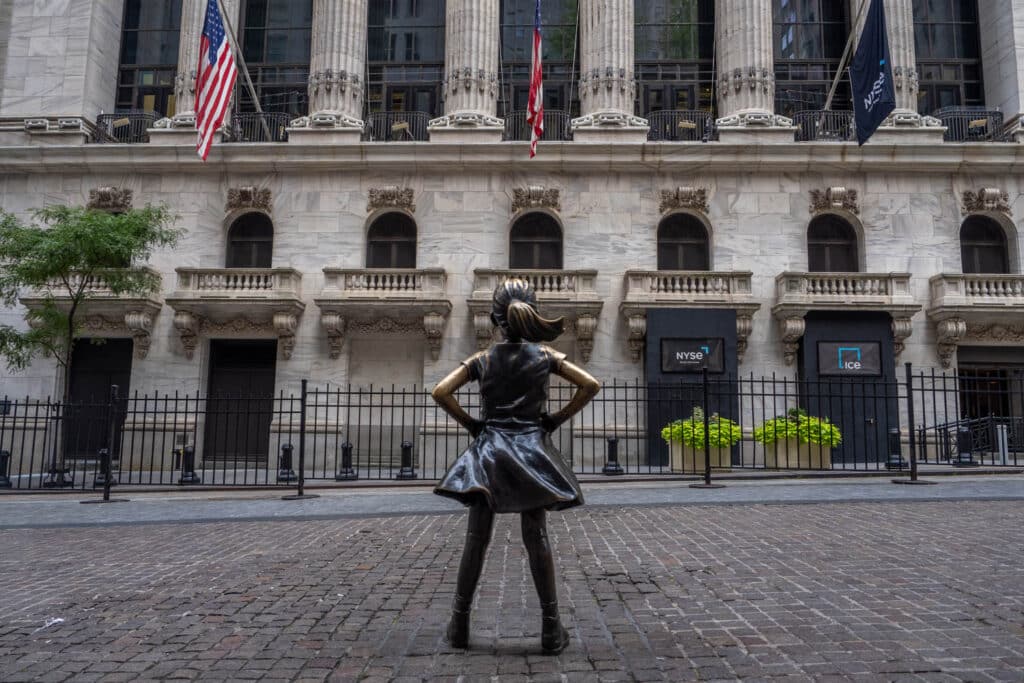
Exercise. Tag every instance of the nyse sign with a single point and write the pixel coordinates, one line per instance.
(690, 355)
(846, 359)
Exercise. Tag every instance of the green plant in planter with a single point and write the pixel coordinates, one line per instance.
(797, 424)
(722, 432)
(778, 428)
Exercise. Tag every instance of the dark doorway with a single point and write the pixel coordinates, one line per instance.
(94, 368)
(240, 405)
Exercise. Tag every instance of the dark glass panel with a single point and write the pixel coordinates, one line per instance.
(831, 246)
(276, 43)
(683, 244)
(250, 242)
(148, 55)
(983, 246)
(391, 242)
(535, 242)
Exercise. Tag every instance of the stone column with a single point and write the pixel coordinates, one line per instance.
(607, 83)
(182, 127)
(472, 31)
(746, 72)
(337, 65)
(1002, 57)
(899, 20)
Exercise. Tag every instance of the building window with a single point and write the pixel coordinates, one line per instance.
(275, 37)
(983, 246)
(405, 53)
(831, 246)
(251, 241)
(946, 39)
(675, 45)
(391, 242)
(683, 244)
(149, 56)
(561, 61)
(536, 242)
(809, 37)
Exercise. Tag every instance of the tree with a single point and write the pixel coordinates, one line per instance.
(59, 259)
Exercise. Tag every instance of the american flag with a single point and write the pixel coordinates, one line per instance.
(535, 106)
(216, 78)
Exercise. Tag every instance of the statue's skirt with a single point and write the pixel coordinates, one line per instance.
(514, 469)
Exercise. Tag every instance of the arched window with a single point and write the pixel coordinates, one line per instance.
(250, 241)
(535, 242)
(983, 246)
(683, 244)
(391, 242)
(831, 246)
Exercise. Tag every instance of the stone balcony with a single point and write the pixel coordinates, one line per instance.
(237, 301)
(980, 308)
(799, 293)
(388, 300)
(645, 289)
(571, 294)
(104, 313)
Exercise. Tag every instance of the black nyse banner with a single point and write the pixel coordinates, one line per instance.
(871, 75)
(845, 359)
(689, 355)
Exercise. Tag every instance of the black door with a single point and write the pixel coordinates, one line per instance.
(847, 370)
(240, 404)
(94, 368)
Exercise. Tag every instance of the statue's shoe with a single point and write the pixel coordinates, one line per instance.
(554, 638)
(457, 633)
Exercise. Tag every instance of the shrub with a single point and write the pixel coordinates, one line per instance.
(776, 429)
(797, 424)
(722, 432)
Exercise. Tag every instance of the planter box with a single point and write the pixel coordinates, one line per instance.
(791, 454)
(689, 460)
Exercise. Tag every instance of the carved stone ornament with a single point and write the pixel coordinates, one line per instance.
(431, 325)
(693, 198)
(986, 199)
(138, 323)
(391, 197)
(834, 198)
(187, 324)
(285, 324)
(949, 333)
(792, 330)
(484, 329)
(586, 324)
(902, 328)
(997, 333)
(334, 325)
(535, 197)
(249, 197)
(110, 199)
(191, 326)
(636, 336)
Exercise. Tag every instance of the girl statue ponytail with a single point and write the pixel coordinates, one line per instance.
(515, 312)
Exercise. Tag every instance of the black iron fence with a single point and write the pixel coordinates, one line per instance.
(557, 126)
(131, 127)
(677, 125)
(824, 126)
(396, 126)
(268, 126)
(346, 433)
(971, 124)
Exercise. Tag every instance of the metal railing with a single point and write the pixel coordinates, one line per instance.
(344, 433)
(396, 126)
(972, 124)
(680, 125)
(130, 127)
(255, 127)
(557, 126)
(824, 126)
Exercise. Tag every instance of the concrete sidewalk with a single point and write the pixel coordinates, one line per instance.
(64, 510)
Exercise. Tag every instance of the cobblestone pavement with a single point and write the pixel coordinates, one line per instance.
(857, 590)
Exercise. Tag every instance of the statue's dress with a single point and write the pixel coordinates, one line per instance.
(512, 464)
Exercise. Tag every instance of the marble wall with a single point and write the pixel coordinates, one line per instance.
(909, 223)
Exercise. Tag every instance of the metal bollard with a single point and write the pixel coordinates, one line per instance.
(188, 467)
(895, 460)
(5, 469)
(964, 456)
(285, 473)
(345, 472)
(407, 471)
(103, 477)
(612, 466)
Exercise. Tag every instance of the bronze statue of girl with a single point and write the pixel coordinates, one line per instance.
(512, 466)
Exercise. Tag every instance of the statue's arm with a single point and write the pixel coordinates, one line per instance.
(444, 394)
(586, 388)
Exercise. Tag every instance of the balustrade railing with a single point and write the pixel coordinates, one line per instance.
(556, 126)
(238, 280)
(396, 126)
(842, 286)
(544, 282)
(681, 125)
(977, 288)
(385, 281)
(971, 124)
(824, 126)
(685, 284)
(268, 126)
(131, 127)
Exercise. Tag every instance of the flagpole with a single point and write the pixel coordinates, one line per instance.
(846, 54)
(245, 69)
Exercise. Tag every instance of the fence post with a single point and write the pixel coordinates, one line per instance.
(895, 459)
(964, 454)
(346, 473)
(913, 440)
(407, 471)
(285, 472)
(106, 454)
(301, 494)
(707, 432)
(188, 467)
(5, 470)
(611, 465)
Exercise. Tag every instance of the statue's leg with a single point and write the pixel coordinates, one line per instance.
(554, 637)
(478, 536)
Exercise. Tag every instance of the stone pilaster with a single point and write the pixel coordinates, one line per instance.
(904, 124)
(607, 84)
(471, 66)
(1002, 57)
(337, 63)
(181, 129)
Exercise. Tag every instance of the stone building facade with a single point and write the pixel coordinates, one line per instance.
(594, 205)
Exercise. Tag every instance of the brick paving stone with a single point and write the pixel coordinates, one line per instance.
(916, 591)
